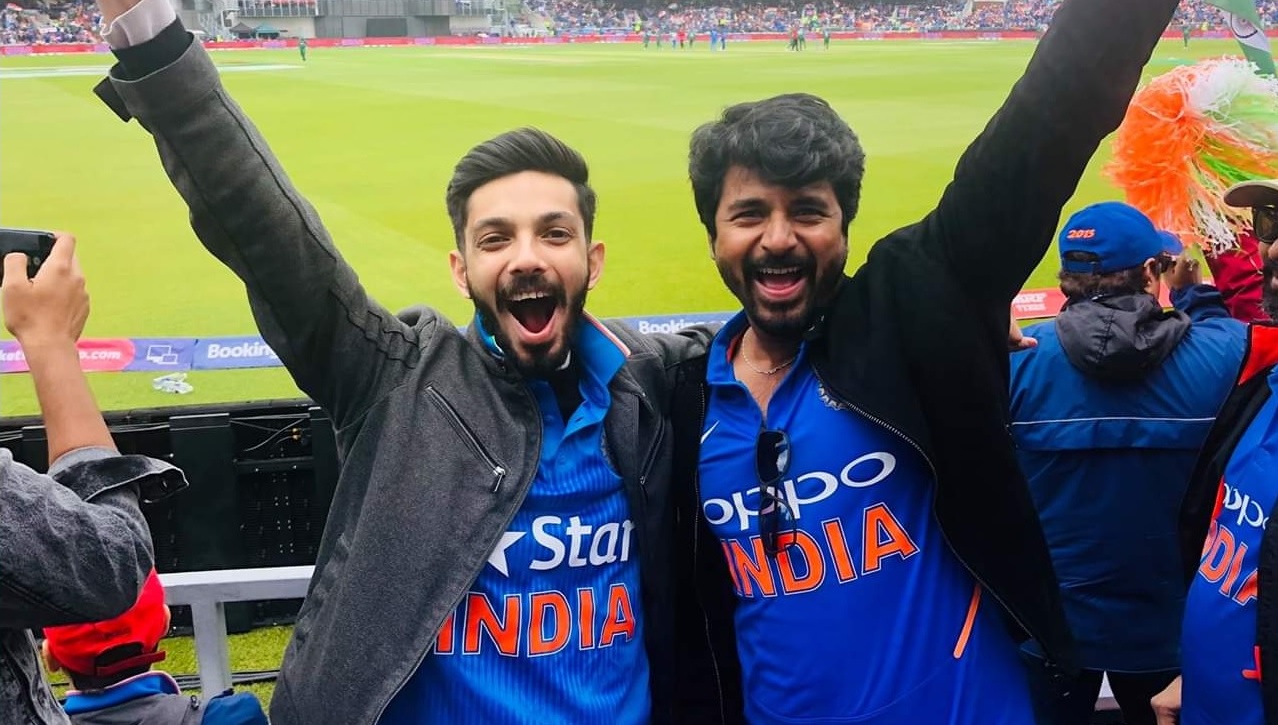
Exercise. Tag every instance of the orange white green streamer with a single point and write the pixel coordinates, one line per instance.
(1189, 135)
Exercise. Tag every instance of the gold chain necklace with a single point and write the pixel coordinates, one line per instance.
(773, 371)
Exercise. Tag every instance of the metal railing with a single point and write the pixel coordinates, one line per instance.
(208, 592)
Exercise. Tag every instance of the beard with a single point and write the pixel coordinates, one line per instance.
(785, 320)
(533, 361)
(1269, 295)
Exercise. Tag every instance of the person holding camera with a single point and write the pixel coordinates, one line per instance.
(74, 546)
(1108, 412)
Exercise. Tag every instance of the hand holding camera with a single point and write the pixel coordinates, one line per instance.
(51, 307)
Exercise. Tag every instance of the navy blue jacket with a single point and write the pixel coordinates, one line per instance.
(1108, 414)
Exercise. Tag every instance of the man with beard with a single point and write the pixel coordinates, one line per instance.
(1108, 413)
(1229, 636)
(862, 531)
(497, 547)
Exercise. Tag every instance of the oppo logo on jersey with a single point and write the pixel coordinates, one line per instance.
(803, 490)
(1250, 512)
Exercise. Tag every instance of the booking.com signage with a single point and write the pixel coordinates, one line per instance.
(229, 353)
(182, 354)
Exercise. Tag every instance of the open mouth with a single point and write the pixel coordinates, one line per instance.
(780, 282)
(534, 311)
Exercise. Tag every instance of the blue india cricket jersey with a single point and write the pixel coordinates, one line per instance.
(551, 631)
(1219, 666)
(867, 617)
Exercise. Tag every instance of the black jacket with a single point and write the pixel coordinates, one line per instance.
(1250, 394)
(916, 341)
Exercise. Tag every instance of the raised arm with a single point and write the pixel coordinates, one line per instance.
(1239, 276)
(341, 347)
(74, 546)
(998, 216)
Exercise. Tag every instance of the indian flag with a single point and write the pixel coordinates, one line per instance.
(1245, 23)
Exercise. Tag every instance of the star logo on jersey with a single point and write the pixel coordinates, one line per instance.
(498, 558)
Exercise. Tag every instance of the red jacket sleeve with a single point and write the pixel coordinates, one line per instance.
(1237, 274)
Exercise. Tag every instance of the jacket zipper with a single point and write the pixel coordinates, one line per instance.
(642, 514)
(696, 547)
(936, 479)
(452, 607)
(650, 459)
(499, 471)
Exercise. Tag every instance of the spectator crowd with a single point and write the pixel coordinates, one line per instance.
(54, 22)
(33, 23)
(583, 16)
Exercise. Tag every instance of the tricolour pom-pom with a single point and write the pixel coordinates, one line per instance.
(1189, 135)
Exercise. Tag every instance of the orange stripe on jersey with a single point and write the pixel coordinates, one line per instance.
(966, 634)
(612, 337)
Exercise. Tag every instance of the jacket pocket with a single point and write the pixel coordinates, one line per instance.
(468, 436)
(331, 571)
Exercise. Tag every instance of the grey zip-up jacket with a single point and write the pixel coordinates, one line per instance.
(74, 548)
(439, 440)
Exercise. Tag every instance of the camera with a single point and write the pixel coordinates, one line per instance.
(34, 243)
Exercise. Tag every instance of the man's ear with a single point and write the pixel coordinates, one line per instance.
(51, 663)
(595, 257)
(458, 265)
(1151, 272)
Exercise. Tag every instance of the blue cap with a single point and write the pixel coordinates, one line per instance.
(1118, 234)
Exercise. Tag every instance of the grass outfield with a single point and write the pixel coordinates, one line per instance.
(370, 137)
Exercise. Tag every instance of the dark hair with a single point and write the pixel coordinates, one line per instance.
(792, 140)
(1081, 285)
(89, 683)
(525, 149)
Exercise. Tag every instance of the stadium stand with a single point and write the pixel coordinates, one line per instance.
(55, 22)
(582, 16)
(33, 23)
